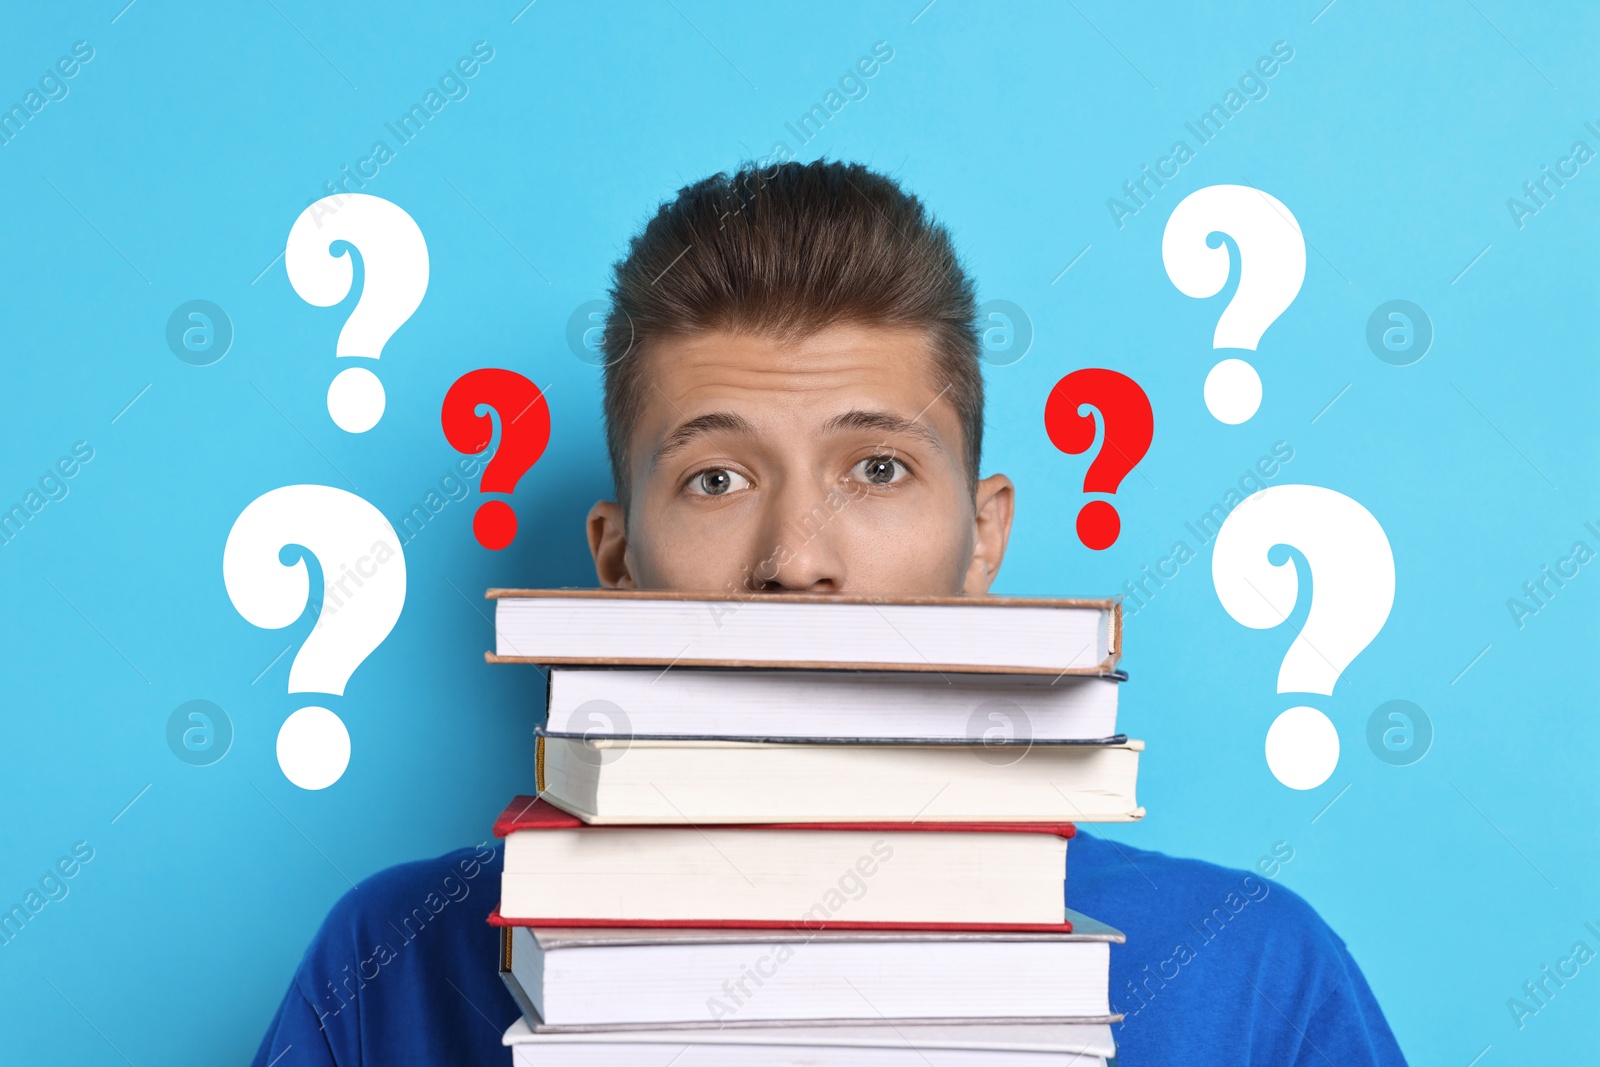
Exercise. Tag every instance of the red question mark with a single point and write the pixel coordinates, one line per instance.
(524, 431)
(1129, 426)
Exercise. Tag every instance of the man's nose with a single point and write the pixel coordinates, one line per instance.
(800, 542)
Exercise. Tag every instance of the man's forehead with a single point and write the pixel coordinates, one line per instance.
(886, 423)
(881, 362)
(846, 377)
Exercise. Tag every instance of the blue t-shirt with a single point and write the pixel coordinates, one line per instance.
(1220, 966)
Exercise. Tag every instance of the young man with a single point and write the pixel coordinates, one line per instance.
(793, 402)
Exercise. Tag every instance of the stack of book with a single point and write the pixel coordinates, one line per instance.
(794, 830)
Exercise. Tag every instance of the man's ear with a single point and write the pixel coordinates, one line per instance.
(608, 544)
(995, 504)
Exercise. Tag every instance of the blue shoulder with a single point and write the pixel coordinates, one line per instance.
(404, 912)
(375, 983)
(1152, 891)
(1232, 954)
(396, 891)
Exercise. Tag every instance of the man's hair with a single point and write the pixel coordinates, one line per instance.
(787, 251)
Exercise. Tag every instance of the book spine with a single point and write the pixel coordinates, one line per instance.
(514, 987)
(538, 765)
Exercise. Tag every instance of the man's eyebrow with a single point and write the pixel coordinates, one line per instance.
(884, 422)
(700, 426)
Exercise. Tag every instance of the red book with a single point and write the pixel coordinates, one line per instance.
(560, 871)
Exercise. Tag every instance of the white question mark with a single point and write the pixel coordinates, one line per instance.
(1272, 254)
(1353, 575)
(363, 592)
(395, 259)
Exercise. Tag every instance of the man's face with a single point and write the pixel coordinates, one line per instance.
(830, 465)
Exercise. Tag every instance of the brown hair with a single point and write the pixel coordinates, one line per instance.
(786, 251)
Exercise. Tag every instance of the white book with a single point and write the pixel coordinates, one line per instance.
(683, 977)
(830, 705)
(561, 872)
(980, 634)
(988, 1045)
(639, 781)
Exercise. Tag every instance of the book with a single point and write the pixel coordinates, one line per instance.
(582, 979)
(1004, 635)
(931, 1045)
(559, 871)
(820, 706)
(618, 780)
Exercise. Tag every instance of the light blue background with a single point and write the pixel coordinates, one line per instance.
(186, 148)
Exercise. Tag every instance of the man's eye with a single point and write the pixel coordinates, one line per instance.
(880, 470)
(717, 482)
